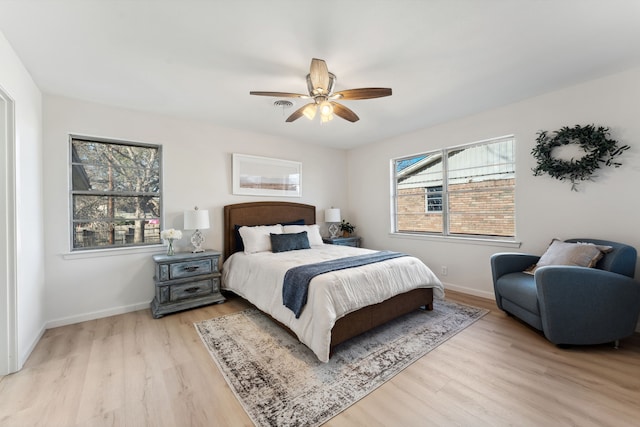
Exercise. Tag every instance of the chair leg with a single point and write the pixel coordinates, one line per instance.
(616, 344)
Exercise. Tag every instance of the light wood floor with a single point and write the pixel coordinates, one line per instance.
(132, 370)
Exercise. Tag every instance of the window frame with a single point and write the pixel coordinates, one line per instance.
(443, 154)
(73, 192)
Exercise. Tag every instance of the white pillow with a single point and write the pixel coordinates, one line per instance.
(258, 239)
(564, 253)
(313, 232)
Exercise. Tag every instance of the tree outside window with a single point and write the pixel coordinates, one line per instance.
(115, 193)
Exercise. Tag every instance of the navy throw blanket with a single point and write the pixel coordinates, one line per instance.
(296, 280)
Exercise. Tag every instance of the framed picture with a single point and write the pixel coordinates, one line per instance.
(264, 176)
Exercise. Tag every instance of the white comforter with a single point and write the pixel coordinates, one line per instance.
(258, 278)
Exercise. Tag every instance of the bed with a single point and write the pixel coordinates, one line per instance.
(324, 328)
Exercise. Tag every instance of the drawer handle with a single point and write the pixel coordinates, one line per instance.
(192, 289)
(192, 268)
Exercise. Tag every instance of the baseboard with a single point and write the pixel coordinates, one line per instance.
(470, 291)
(23, 357)
(96, 315)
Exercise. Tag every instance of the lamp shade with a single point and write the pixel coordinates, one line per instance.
(332, 215)
(197, 219)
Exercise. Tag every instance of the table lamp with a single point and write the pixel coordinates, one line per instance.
(197, 219)
(333, 216)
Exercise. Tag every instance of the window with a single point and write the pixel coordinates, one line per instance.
(434, 198)
(460, 191)
(115, 193)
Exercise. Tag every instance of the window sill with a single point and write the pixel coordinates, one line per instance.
(99, 253)
(458, 240)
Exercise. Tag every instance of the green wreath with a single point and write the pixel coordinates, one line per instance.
(594, 141)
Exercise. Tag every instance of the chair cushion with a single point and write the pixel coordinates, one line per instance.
(520, 289)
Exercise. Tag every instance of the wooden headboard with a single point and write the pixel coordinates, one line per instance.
(262, 213)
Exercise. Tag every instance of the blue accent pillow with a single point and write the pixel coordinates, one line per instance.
(289, 242)
(240, 244)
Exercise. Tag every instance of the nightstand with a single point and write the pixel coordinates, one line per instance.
(185, 280)
(343, 241)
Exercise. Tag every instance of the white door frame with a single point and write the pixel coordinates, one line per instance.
(8, 238)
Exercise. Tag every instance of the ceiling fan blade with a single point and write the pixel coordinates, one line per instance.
(279, 94)
(319, 74)
(362, 93)
(342, 111)
(309, 108)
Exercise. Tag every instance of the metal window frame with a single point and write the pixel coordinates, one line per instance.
(444, 154)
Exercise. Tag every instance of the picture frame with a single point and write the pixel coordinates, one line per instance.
(265, 176)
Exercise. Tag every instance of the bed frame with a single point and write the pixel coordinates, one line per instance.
(352, 324)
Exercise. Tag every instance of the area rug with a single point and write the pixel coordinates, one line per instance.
(280, 382)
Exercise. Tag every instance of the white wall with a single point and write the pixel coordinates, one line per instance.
(17, 83)
(197, 171)
(545, 208)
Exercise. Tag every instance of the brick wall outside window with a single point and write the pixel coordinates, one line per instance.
(485, 207)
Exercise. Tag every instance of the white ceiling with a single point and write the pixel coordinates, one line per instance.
(199, 59)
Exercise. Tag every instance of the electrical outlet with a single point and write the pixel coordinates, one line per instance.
(444, 270)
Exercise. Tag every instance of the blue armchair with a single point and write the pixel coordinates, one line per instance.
(572, 305)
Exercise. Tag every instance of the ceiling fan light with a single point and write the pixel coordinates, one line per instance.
(324, 118)
(309, 111)
(326, 109)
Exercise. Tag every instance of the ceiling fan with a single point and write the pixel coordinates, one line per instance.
(320, 83)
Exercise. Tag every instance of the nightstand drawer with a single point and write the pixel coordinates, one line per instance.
(343, 241)
(179, 270)
(192, 289)
(353, 243)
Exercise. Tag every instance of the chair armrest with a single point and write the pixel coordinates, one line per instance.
(580, 305)
(507, 262)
